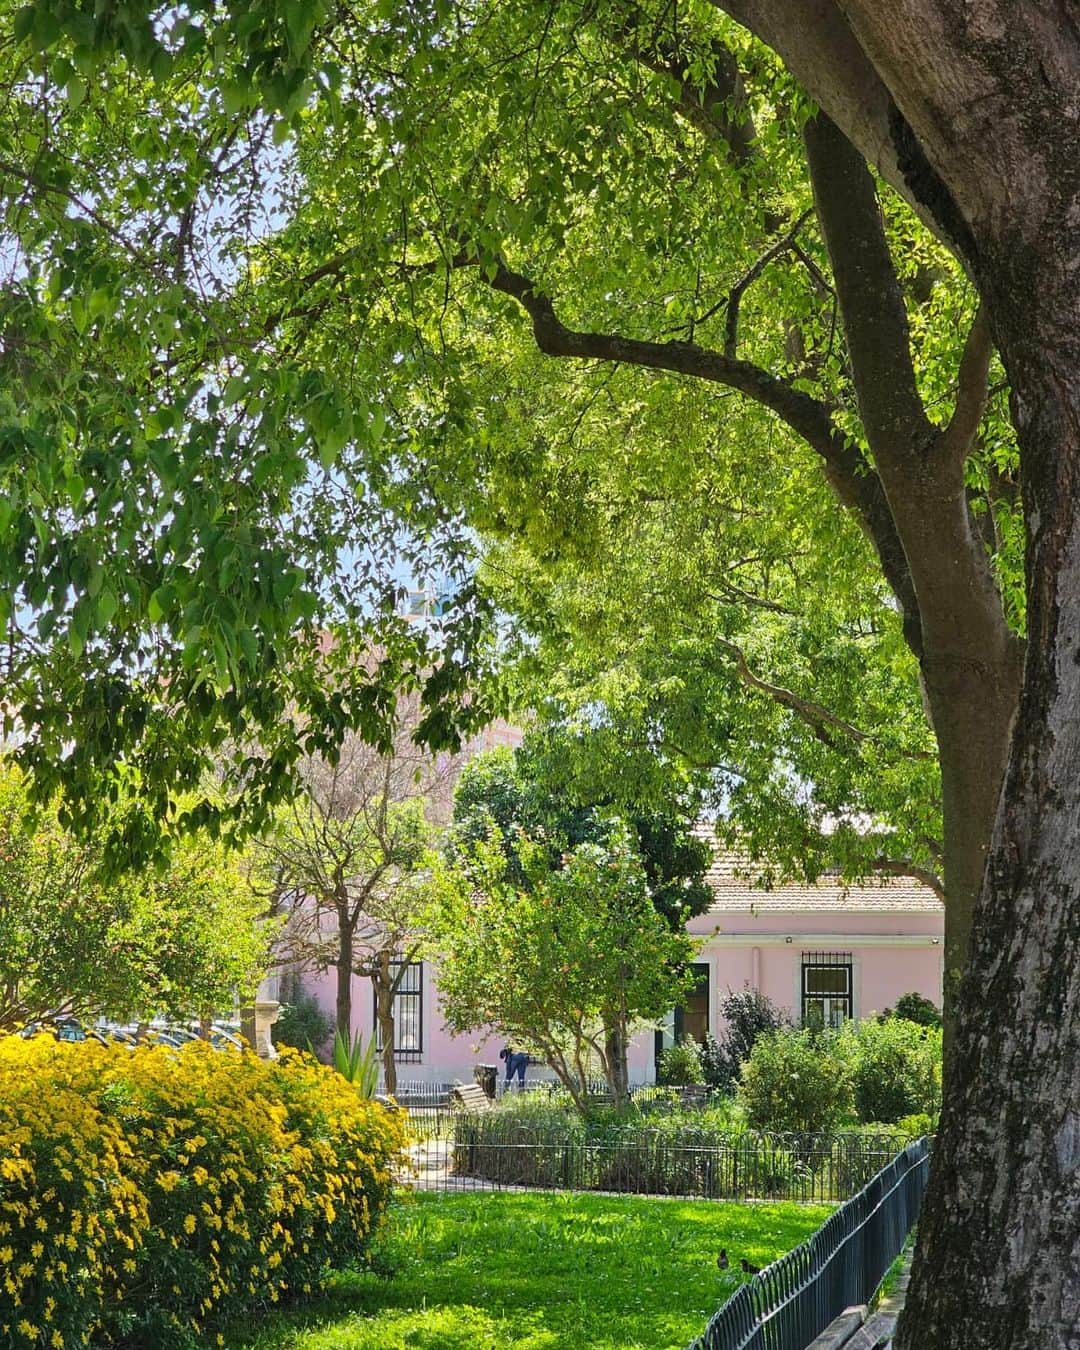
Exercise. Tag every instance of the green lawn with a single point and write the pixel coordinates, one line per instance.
(541, 1272)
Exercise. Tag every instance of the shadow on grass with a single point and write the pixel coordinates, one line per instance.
(540, 1272)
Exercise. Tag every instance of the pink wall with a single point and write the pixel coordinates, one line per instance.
(892, 953)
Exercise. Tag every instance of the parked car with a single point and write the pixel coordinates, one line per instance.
(64, 1028)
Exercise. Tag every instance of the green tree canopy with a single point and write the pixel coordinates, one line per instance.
(548, 792)
(202, 536)
(557, 959)
(187, 939)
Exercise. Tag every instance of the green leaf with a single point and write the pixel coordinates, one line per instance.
(107, 606)
(23, 24)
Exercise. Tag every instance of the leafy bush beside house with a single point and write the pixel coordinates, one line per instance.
(795, 1080)
(302, 1024)
(915, 1008)
(874, 1072)
(146, 1197)
(895, 1067)
(680, 1065)
(747, 1014)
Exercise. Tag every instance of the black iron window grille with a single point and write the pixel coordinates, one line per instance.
(408, 1009)
(827, 988)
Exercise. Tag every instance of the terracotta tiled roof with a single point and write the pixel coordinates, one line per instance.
(736, 883)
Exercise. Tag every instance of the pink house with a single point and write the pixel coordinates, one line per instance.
(845, 950)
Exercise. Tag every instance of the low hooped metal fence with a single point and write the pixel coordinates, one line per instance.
(796, 1298)
(484, 1152)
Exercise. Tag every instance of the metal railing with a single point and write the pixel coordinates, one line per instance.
(486, 1153)
(432, 1108)
(842, 1264)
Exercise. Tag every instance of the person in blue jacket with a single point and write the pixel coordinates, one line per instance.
(516, 1063)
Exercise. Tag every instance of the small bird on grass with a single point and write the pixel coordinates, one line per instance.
(747, 1268)
(722, 1260)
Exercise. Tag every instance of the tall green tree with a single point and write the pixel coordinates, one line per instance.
(187, 939)
(561, 959)
(535, 802)
(700, 276)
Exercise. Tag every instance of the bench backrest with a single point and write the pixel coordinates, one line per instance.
(471, 1097)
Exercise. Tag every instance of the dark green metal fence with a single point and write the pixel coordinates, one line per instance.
(495, 1153)
(796, 1298)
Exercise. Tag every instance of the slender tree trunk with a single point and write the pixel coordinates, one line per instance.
(998, 1266)
(616, 1045)
(344, 968)
(383, 981)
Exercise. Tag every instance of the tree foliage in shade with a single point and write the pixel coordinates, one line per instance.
(186, 939)
(549, 791)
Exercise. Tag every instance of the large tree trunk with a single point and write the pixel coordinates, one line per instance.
(999, 1260)
(969, 661)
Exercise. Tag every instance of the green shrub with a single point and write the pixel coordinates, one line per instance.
(302, 1024)
(794, 1080)
(148, 1196)
(895, 1067)
(915, 1008)
(747, 1015)
(680, 1064)
(915, 1126)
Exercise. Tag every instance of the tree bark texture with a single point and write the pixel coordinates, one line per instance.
(984, 119)
(999, 1258)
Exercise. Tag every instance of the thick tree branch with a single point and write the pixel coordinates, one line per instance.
(821, 721)
(875, 318)
(808, 416)
(904, 867)
(854, 482)
(972, 389)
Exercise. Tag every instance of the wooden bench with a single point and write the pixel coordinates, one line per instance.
(470, 1097)
(854, 1330)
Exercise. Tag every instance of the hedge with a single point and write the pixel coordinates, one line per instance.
(148, 1196)
(528, 1145)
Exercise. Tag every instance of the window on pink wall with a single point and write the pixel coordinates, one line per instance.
(826, 988)
(692, 1018)
(408, 1014)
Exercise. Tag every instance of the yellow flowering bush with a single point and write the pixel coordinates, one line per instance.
(146, 1197)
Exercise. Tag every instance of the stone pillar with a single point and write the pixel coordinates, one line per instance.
(266, 1014)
